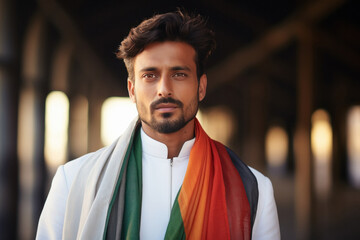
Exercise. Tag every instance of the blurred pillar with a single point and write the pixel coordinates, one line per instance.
(76, 89)
(31, 129)
(61, 67)
(302, 134)
(254, 145)
(58, 82)
(8, 119)
(56, 131)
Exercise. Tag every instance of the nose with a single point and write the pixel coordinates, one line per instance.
(165, 87)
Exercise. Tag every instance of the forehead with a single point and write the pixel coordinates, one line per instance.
(166, 54)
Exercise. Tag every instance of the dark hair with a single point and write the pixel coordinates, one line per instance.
(173, 26)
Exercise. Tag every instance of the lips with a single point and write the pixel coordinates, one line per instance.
(166, 107)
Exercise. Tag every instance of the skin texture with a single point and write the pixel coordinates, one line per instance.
(167, 92)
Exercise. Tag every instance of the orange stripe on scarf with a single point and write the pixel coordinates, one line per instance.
(205, 209)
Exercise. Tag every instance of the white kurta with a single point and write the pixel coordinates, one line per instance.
(162, 179)
(158, 195)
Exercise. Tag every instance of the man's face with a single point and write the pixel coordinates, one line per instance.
(165, 86)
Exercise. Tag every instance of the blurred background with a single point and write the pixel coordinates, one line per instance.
(283, 93)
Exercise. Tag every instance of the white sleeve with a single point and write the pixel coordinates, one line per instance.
(52, 216)
(266, 226)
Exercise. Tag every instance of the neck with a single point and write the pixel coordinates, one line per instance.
(174, 141)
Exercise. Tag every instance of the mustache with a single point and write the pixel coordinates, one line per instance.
(165, 100)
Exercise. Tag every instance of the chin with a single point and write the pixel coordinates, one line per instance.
(168, 125)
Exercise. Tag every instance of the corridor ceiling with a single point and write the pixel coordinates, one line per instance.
(248, 33)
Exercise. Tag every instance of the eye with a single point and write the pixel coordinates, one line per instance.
(180, 75)
(148, 75)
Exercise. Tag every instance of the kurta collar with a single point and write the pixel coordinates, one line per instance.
(159, 150)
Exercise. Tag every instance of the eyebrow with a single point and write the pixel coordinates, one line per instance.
(148, 69)
(175, 68)
(184, 68)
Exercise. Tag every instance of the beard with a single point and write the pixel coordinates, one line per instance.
(166, 124)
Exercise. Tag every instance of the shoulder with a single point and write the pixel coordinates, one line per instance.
(263, 181)
(52, 216)
(71, 168)
(266, 192)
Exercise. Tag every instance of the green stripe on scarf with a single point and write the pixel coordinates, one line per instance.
(132, 167)
(175, 229)
(133, 192)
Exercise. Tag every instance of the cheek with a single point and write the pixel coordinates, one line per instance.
(141, 96)
(188, 90)
(192, 101)
(142, 109)
(142, 100)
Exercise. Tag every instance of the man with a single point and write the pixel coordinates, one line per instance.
(164, 177)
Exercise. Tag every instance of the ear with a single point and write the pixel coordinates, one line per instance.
(131, 90)
(202, 87)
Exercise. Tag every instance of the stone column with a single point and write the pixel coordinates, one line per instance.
(8, 122)
(31, 130)
(303, 168)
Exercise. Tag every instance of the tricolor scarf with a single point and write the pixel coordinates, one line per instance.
(211, 204)
(217, 200)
